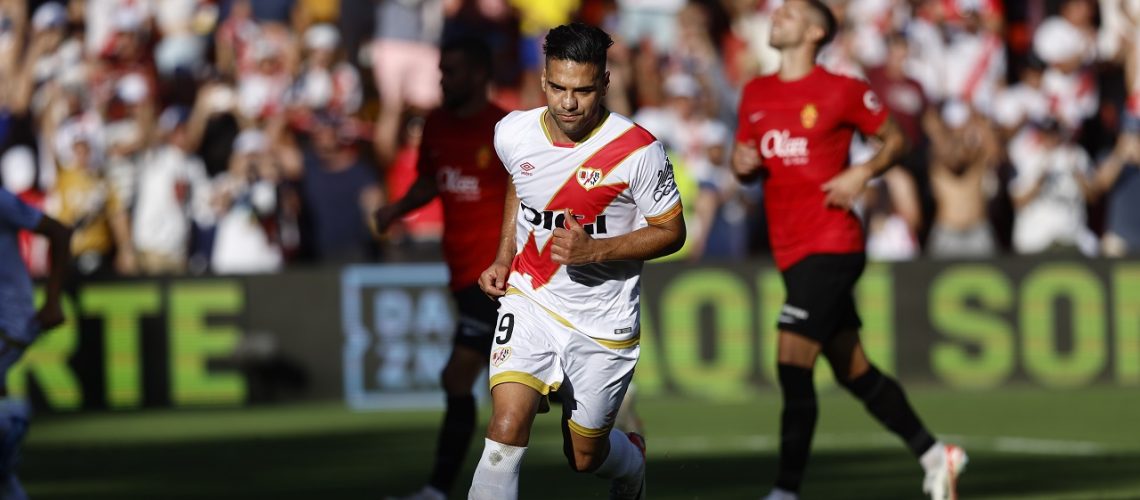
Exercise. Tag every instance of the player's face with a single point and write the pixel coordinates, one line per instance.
(574, 95)
(459, 80)
(790, 23)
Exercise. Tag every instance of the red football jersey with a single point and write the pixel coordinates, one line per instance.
(460, 154)
(802, 130)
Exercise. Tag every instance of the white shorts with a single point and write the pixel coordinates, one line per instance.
(537, 348)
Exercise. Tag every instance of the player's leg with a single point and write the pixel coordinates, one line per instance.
(14, 418)
(508, 434)
(796, 355)
(814, 285)
(472, 346)
(523, 368)
(885, 399)
(881, 394)
(597, 380)
(454, 439)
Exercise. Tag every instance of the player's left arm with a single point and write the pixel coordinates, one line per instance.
(572, 246)
(655, 194)
(50, 314)
(871, 118)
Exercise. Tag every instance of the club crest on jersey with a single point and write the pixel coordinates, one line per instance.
(483, 157)
(589, 177)
(809, 115)
(871, 101)
(500, 356)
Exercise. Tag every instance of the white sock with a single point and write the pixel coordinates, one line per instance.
(624, 459)
(934, 457)
(497, 476)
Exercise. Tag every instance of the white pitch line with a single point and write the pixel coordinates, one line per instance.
(761, 442)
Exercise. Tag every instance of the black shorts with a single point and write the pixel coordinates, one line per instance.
(475, 324)
(821, 300)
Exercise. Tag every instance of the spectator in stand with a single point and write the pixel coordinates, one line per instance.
(1067, 46)
(245, 201)
(340, 190)
(84, 200)
(405, 63)
(181, 49)
(173, 191)
(327, 82)
(902, 94)
(649, 21)
(535, 19)
(1023, 103)
(235, 38)
(973, 64)
(13, 19)
(265, 79)
(746, 50)
(964, 155)
(1119, 177)
(1050, 188)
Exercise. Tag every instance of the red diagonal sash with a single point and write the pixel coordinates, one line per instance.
(585, 203)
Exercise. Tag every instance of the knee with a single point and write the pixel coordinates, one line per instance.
(459, 375)
(864, 385)
(796, 382)
(584, 460)
(509, 429)
(452, 381)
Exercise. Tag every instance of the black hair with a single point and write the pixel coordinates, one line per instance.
(474, 50)
(830, 25)
(578, 42)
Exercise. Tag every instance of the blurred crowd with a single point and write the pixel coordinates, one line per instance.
(243, 136)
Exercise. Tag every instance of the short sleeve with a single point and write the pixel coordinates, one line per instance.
(865, 111)
(653, 185)
(17, 214)
(502, 144)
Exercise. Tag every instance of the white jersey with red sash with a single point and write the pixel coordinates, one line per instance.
(614, 182)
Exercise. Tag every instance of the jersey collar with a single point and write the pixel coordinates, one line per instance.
(557, 144)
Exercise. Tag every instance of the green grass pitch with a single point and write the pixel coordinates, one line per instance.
(1023, 443)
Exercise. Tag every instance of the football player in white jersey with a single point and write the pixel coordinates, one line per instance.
(592, 196)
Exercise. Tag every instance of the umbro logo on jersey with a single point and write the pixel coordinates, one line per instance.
(526, 168)
(755, 117)
(589, 177)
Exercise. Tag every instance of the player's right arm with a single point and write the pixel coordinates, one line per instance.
(17, 214)
(421, 192)
(746, 162)
(493, 281)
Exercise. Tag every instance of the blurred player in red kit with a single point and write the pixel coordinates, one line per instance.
(795, 130)
(457, 163)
